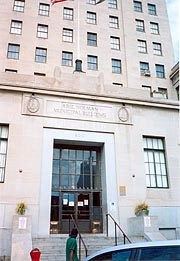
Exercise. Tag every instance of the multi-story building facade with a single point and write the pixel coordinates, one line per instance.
(87, 142)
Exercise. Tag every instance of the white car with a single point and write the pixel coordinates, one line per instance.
(145, 251)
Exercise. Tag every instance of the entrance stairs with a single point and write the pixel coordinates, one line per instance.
(53, 247)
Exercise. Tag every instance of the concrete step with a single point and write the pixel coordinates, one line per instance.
(53, 248)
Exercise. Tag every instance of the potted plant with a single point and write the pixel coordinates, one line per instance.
(141, 209)
(21, 208)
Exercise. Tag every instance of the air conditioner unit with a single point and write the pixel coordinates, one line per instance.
(147, 73)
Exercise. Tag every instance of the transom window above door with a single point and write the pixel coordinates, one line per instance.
(75, 168)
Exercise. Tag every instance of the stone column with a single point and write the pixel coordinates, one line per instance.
(21, 238)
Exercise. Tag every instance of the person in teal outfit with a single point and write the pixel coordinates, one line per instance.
(71, 246)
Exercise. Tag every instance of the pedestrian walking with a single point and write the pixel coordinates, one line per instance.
(71, 246)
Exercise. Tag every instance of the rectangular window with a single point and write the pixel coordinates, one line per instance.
(147, 88)
(113, 22)
(91, 2)
(142, 46)
(11, 71)
(157, 49)
(160, 73)
(44, 9)
(154, 28)
(92, 39)
(67, 58)
(4, 130)
(13, 51)
(177, 91)
(67, 35)
(155, 163)
(42, 31)
(41, 55)
(116, 66)
(91, 18)
(163, 93)
(152, 9)
(144, 68)
(115, 43)
(68, 13)
(16, 27)
(137, 6)
(19, 5)
(39, 74)
(140, 25)
(92, 62)
(112, 4)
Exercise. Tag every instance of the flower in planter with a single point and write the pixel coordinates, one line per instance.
(21, 208)
(141, 209)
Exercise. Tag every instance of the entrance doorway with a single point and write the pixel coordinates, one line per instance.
(76, 188)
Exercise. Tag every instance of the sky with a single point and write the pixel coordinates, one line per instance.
(173, 14)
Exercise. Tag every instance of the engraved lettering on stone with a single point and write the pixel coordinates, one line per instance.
(123, 114)
(80, 110)
(33, 105)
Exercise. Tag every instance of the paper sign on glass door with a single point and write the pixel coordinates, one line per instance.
(86, 202)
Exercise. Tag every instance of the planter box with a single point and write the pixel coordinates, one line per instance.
(137, 226)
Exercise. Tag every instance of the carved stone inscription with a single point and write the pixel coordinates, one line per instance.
(70, 109)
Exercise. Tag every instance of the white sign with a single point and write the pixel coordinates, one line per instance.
(112, 206)
(147, 222)
(22, 223)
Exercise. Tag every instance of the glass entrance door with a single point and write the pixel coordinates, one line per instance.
(76, 189)
(78, 205)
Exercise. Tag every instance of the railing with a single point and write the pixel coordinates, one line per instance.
(115, 230)
(80, 237)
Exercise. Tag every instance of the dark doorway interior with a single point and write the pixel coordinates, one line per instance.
(76, 188)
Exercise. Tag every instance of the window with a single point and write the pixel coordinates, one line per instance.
(67, 58)
(113, 22)
(67, 35)
(92, 2)
(3, 150)
(152, 9)
(163, 93)
(116, 66)
(92, 39)
(91, 18)
(112, 4)
(117, 84)
(68, 13)
(142, 46)
(157, 50)
(137, 6)
(155, 163)
(92, 62)
(41, 55)
(115, 43)
(16, 27)
(147, 88)
(42, 31)
(19, 5)
(39, 74)
(11, 71)
(144, 67)
(177, 91)
(154, 28)
(13, 51)
(114, 255)
(44, 9)
(160, 253)
(160, 71)
(140, 25)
